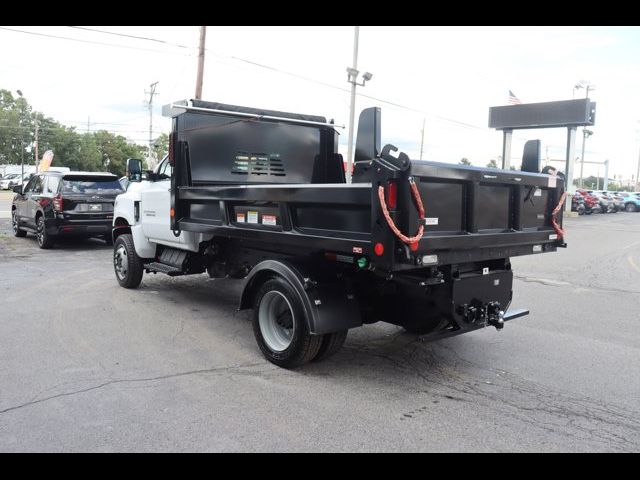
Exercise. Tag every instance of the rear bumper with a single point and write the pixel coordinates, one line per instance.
(81, 227)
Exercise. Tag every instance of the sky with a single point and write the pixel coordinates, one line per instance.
(447, 77)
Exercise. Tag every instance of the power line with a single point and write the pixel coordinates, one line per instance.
(250, 62)
(377, 99)
(129, 47)
(150, 39)
(82, 129)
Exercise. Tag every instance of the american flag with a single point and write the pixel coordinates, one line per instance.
(513, 100)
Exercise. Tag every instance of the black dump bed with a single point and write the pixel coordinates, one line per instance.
(276, 181)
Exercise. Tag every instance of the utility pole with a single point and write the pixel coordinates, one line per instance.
(151, 92)
(88, 124)
(21, 142)
(422, 140)
(203, 34)
(37, 160)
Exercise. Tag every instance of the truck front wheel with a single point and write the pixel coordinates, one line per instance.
(126, 263)
(280, 326)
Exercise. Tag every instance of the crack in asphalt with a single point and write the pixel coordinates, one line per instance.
(562, 283)
(179, 332)
(131, 380)
(542, 407)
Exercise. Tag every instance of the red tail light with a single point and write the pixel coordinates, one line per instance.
(58, 204)
(392, 195)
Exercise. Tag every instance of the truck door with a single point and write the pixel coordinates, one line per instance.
(154, 207)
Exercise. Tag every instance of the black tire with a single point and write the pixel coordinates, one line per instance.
(126, 263)
(17, 231)
(331, 344)
(302, 346)
(108, 239)
(45, 240)
(630, 207)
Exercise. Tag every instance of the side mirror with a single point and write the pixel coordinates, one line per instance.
(17, 189)
(134, 169)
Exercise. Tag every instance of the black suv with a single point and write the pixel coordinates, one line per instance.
(73, 203)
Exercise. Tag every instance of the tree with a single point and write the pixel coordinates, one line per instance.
(161, 146)
(464, 161)
(114, 151)
(96, 151)
(16, 128)
(492, 163)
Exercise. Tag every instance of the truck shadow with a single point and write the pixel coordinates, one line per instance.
(382, 349)
(72, 243)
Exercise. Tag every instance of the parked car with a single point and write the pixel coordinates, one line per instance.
(591, 202)
(7, 183)
(606, 202)
(577, 204)
(618, 201)
(631, 201)
(55, 204)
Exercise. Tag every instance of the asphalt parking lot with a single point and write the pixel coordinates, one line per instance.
(88, 366)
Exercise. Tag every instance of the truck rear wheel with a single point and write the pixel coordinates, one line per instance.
(331, 344)
(280, 325)
(126, 263)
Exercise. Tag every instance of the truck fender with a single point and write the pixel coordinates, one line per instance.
(328, 308)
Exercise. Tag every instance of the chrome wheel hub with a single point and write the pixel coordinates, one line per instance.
(120, 262)
(276, 320)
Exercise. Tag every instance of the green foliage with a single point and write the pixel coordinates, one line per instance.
(95, 151)
(464, 161)
(597, 183)
(492, 163)
(161, 146)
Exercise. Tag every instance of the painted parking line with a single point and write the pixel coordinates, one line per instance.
(5, 214)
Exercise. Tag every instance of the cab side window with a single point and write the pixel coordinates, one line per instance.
(166, 169)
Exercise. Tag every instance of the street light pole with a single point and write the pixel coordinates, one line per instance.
(585, 133)
(352, 78)
(352, 104)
